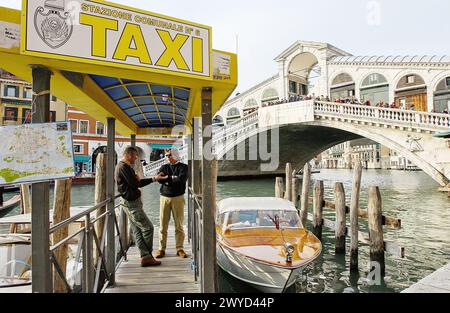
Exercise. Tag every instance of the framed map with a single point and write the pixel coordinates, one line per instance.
(36, 152)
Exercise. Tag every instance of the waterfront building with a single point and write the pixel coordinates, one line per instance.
(371, 154)
(16, 99)
(344, 155)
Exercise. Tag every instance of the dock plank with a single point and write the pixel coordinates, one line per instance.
(174, 275)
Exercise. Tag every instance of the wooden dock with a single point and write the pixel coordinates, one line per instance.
(438, 282)
(174, 275)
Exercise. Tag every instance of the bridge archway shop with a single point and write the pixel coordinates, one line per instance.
(138, 79)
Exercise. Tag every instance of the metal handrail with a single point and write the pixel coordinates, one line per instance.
(80, 215)
(60, 243)
(101, 216)
(88, 235)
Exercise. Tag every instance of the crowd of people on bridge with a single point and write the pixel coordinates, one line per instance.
(347, 100)
(292, 98)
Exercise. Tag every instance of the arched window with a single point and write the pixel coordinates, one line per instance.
(442, 96)
(342, 87)
(342, 79)
(233, 112)
(251, 103)
(411, 93)
(270, 94)
(374, 89)
(218, 120)
(374, 79)
(410, 80)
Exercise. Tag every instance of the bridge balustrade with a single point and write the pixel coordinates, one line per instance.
(423, 120)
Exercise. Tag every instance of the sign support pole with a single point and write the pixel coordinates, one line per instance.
(209, 266)
(111, 245)
(42, 281)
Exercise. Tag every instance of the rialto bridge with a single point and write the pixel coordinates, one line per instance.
(297, 131)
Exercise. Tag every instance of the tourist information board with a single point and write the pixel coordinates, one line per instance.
(104, 33)
(35, 152)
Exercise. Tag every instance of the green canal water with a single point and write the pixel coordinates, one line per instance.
(410, 196)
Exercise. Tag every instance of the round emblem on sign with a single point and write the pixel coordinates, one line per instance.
(53, 23)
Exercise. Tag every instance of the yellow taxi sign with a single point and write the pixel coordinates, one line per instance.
(98, 32)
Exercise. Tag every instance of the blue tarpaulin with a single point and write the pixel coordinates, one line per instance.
(162, 146)
(82, 158)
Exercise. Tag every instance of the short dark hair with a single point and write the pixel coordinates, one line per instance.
(129, 150)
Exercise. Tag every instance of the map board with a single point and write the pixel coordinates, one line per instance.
(35, 152)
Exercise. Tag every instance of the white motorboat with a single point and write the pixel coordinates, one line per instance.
(262, 242)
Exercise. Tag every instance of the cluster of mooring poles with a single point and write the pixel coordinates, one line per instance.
(374, 215)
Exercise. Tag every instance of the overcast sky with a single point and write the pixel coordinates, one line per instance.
(266, 27)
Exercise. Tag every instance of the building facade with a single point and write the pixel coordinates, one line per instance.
(371, 155)
(16, 99)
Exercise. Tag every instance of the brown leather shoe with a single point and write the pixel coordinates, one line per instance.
(181, 253)
(149, 261)
(160, 254)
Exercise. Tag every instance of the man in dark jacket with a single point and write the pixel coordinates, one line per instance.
(128, 184)
(172, 201)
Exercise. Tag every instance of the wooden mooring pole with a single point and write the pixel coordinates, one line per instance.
(61, 212)
(279, 186)
(354, 210)
(318, 209)
(100, 196)
(376, 228)
(305, 191)
(288, 193)
(340, 231)
(294, 191)
(26, 198)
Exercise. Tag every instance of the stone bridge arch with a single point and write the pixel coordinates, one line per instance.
(297, 147)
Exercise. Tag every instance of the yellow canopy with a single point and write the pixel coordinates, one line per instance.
(121, 77)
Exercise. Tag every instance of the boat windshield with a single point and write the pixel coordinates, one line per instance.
(262, 218)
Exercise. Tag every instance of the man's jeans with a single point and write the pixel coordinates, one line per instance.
(140, 224)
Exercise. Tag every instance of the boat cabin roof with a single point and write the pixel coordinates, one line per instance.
(254, 203)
